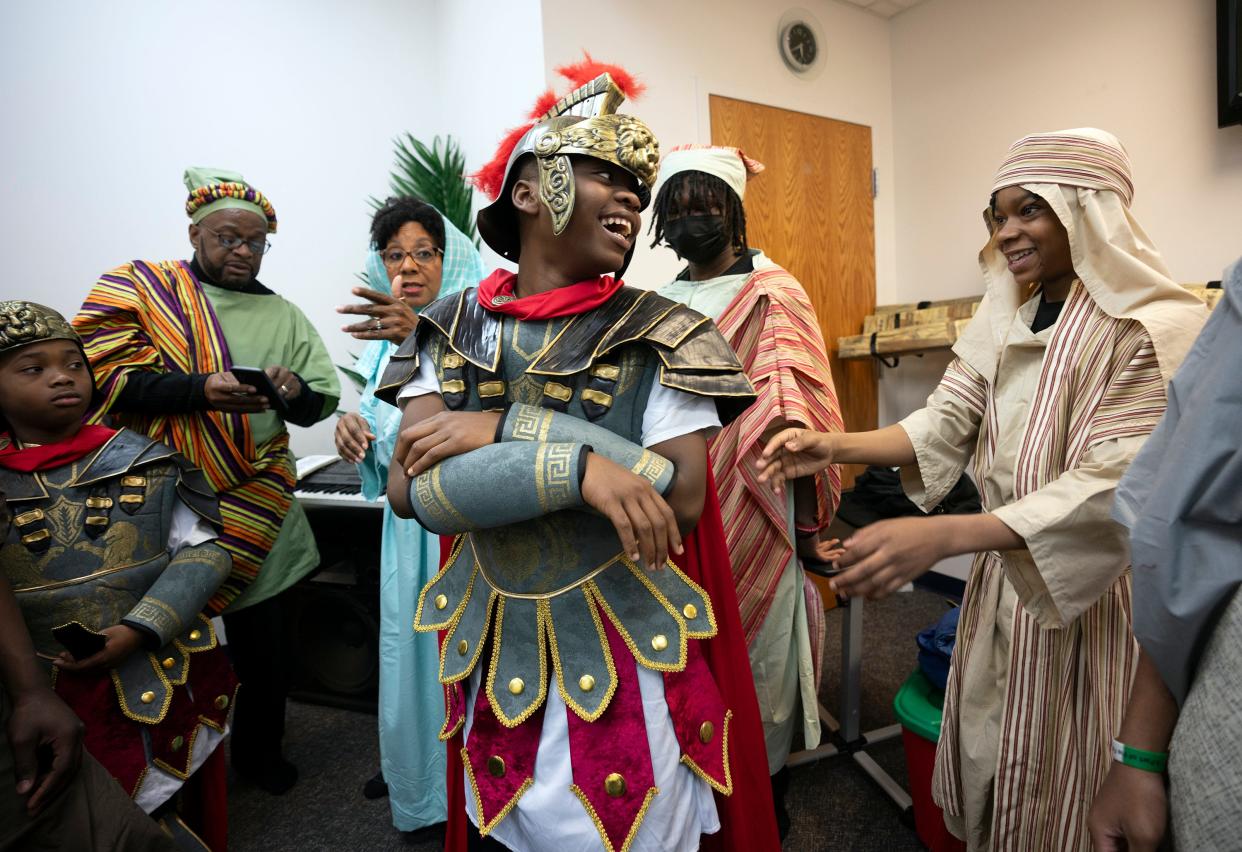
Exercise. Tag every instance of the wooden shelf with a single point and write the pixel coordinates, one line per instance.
(912, 328)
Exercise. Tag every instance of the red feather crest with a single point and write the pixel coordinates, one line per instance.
(491, 177)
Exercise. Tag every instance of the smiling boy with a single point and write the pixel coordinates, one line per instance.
(555, 421)
(111, 554)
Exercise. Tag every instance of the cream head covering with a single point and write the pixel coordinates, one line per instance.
(729, 164)
(1084, 175)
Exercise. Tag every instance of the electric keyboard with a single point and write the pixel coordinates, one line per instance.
(326, 481)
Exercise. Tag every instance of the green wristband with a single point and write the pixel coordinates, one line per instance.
(1148, 761)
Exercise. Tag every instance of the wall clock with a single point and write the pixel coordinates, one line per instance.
(801, 44)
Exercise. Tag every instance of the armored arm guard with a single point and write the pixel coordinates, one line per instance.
(499, 484)
(523, 422)
(170, 606)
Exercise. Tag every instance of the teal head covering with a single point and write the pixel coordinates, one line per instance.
(218, 189)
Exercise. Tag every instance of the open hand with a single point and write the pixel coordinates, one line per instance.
(387, 317)
(353, 437)
(820, 550)
(441, 436)
(644, 521)
(41, 721)
(1130, 812)
(225, 393)
(793, 453)
(123, 640)
(882, 557)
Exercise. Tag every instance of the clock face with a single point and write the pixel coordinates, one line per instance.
(800, 46)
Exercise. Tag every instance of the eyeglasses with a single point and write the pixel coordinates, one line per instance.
(228, 242)
(423, 257)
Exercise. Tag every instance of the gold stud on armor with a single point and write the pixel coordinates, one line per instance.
(706, 731)
(659, 642)
(147, 697)
(496, 766)
(168, 663)
(586, 683)
(462, 647)
(690, 611)
(441, 601)
(221, 702)
(614, 785)
(516, 686)
(177, 742)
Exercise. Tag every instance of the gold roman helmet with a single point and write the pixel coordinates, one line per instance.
(23, 323)
(585, 122)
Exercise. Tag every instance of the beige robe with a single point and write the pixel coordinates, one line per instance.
(1045, 653)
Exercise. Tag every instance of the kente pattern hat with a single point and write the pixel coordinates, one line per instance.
(1083, 157)
(218, 189)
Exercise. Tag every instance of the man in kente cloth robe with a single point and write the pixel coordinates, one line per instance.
(1059, 379)
(111, 552)
(1182, 501)
(162, 337)
(554, 421)
(769, 321)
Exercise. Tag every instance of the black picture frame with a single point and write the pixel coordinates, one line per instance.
(1228, 62)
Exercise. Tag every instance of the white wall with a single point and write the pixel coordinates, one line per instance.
(687, 51)
(972, 76)
(105, 105)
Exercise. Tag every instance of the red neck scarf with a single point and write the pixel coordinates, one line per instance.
(49, 456)
(561, 302)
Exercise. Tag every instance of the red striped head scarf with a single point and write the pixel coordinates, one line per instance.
(1085, 157)
(1084, 175)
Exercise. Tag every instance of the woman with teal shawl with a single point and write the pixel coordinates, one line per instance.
(411, 703)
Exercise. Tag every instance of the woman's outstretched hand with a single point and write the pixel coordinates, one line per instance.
(792, 453)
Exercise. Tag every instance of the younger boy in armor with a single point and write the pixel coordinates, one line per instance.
(110, 552)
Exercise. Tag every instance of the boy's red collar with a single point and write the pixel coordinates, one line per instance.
(49, 456)
(496, 294)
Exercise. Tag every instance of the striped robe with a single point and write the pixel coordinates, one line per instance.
(771, 324)
(1045, 653)
(155, 316)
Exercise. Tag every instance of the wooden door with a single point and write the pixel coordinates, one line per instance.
(811, 212)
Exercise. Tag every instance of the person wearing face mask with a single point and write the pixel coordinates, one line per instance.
(416, 257)
(768, 319)
(162, 338)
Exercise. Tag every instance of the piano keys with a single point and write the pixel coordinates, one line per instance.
(329, 481)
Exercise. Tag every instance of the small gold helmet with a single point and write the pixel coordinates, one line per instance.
(585, 122)
(23, 323)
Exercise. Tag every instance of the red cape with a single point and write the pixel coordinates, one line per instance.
(748, 817)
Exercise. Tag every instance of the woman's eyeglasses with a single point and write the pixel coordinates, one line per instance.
(423, 257)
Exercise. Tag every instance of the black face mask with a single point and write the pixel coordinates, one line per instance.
(698, 239)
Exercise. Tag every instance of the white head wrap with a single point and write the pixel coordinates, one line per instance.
(1084, 175)
(729, 164)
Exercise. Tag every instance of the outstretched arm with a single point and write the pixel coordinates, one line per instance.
(798, 452)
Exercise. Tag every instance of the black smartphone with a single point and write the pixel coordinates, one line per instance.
(262, 383)
(79, 640)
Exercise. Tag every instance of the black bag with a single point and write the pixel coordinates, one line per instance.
(877, 495)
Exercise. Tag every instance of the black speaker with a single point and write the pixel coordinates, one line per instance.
(332, 615)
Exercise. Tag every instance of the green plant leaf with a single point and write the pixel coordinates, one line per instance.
(436, 175)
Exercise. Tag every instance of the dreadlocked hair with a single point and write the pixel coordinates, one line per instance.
(399, 210)
(703, 192)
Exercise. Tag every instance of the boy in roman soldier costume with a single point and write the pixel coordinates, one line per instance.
(111, 552)
(554, 420)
